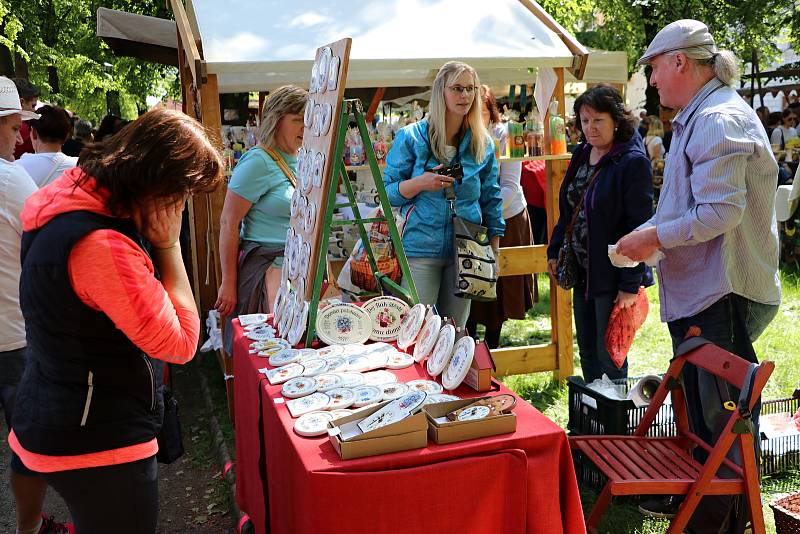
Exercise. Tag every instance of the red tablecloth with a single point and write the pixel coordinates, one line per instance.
(519, 482)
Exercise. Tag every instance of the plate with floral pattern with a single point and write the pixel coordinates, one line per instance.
(393, 391)
(427, 337)
(442, 350)
(309, 403)
(327, 381)
(367, 395)
(284, 357)
(377, 378)
(280, 375)
(340, 398)
(428, 386)
(313, 424)
(351, 380)
(342, 324)
(457, 369)
(411, 325)
(387, 314)
(440, 397)
(298, 387)
(331, 350)
(399, 360)
(299, 324)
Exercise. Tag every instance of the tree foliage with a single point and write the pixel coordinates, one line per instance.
(53, 43)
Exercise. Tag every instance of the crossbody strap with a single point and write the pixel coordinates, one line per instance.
(568, 231)
(287, 170)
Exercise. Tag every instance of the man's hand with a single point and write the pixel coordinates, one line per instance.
(625, 300)
(639, 244)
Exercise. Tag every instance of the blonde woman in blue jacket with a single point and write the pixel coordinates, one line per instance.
(452, 133)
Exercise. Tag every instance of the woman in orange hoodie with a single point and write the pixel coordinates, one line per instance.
(102, 316)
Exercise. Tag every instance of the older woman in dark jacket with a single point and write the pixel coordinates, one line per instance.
(611, 172)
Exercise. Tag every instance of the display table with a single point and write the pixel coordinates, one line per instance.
(518, 482)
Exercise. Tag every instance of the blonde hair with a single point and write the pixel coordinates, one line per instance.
(286, 100)
(474, 122)
(656, 127)
(722, 62)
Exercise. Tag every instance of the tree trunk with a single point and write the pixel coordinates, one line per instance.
(652, 101)
(20, 66)
(52, 79)
(6, 58)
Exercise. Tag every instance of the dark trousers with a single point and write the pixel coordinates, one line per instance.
(538, 218)
(591, 322)
(732, 323)
(122, 499)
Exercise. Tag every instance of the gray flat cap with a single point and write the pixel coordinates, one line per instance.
(685, 33)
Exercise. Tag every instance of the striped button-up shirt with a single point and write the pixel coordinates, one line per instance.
(716, 212)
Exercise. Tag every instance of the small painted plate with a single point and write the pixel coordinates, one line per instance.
(279, 302)
(335, 364)
(328, 381)
(331, 350)
(343, 324)
(252, 319)
(386, 314)
(411, 325)
(305, 261)
(379, 359)
(442, 350)
(358, 363)
(298, 387)
(322, 71)
(308, 115)
(340, 398)
(399, 360)
(351, 380)
(310, 218)
(299, 324)
(393, 391)
(326, 115)
(309, 403)
(411, 401)
(282, 374)
(367, 395)
(333, 73)
(338, 414)
(354, 349)
(314, 366)
(318, 169)
(260, 333)
(474, 412)
(377, 378)
(440, 397)
(313, 424)
(427, 338)
(458, 367)
(428, 386)
(308, 354)
(284, 357)
(268, 347)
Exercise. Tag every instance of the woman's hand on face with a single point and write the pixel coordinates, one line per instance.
(226, 299)
(625, 299)
(159, 221)
(552, 266)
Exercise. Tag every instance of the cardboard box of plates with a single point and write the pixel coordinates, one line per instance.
(441, 430)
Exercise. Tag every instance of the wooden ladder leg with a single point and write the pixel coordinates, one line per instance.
(685, 511)
(751, 484)
(599, 508)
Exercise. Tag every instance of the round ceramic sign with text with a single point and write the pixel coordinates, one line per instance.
(343, 324)
(386, 314)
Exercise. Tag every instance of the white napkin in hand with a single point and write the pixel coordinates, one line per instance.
(618, 260)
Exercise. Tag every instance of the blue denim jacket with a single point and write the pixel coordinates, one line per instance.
(428, 231)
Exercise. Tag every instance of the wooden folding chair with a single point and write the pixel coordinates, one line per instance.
(640, 465)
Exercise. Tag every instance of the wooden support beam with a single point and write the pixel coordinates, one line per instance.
(188, 42)
(373, 106)
(523, 260)
(523, 360)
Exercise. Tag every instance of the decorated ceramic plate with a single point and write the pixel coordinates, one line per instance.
(317, 120)
(280, 302)
(343, 324)
(333, 73)
(393, 391)
(336, 364)
(322, 71)
(313, 424)
(252, 319)
(260, 333)
(268, 347)
(331, 350)
(308, 115)
(326, 116)
(428, 386)
(328, 381)
(318, 169)
(474, 412)
(411, 325)
(386, 314)
(394, 411)
(340, 398)
(379, 359)
(442, 350)
(367, 395)
(411, 401)
(457, 369)
(314, 366)
(305, 260)
(282, 374)
(427, 338)
(358, 363)
(309, 403)
(300, 286)
(284, 357)
(298, 387)
(285, 322)
(299, 324)
(338, 414)
(351, 380)
(304, 181)
(377, 378)
(310, 218)
(308, 354)
(354, 349)
(399, 360)
(440, 397)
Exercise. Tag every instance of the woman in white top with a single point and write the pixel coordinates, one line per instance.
(786, 130)
(48, 133)
(653, 141)
(514, 293)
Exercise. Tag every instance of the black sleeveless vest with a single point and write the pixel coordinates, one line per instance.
(86, 387)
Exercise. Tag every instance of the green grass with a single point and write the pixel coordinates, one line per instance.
(651, 353)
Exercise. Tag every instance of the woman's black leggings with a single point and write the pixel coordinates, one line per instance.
(120, 498)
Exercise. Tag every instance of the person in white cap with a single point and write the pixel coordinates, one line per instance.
(715, 224)
(15, 186)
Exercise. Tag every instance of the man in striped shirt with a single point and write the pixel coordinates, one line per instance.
(715, 224)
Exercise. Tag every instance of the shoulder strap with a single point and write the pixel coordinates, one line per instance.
(278, 158)
(568, 231)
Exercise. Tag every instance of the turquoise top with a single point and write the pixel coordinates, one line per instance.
(258, 179)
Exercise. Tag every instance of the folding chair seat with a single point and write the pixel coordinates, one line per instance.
(642, 465)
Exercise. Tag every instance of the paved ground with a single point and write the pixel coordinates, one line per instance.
(193, 496)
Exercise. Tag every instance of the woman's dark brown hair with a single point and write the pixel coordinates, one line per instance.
(162, 154)
(604, 98)
(53, 124)
(490, 103)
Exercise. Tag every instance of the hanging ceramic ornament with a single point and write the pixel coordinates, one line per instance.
(317, 126)
(284, 357)
(282, 374)
(457, 369)
(314, 366)
(386, 314)
(393, 391)
(340, 398)
(313, 424)
(428, 386)
(305, 259)
(333, 73)
(309, 403)
(298, 387)
(427, 337)
(280, 302)
(366, 395)
(442, 350)
(411, 325)
(342, 324)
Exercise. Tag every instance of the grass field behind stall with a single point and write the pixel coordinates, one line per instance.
(651, 353)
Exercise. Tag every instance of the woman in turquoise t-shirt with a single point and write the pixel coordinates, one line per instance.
(255, 216)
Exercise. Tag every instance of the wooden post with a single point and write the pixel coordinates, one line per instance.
(373, 106)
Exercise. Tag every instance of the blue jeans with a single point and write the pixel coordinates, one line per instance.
(591, 322)
(733, 323)
(435, 280)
